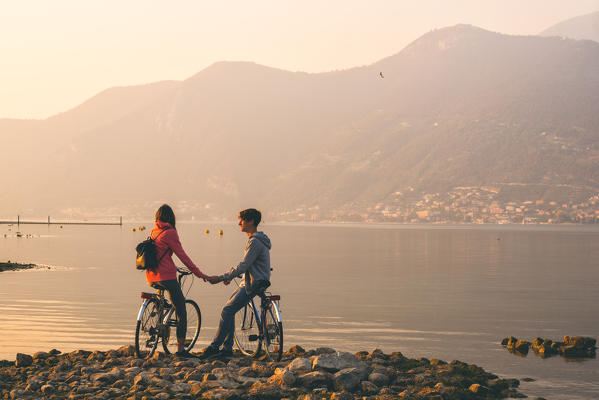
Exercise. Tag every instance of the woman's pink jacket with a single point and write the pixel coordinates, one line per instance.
(168, 242)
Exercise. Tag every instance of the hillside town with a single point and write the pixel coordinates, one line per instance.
(471, 205)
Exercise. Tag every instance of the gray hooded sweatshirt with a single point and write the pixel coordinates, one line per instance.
(255, 263)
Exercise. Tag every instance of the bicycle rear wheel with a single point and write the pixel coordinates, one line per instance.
(247, 331)
(273, 334)
(194, 323)
(147, 332)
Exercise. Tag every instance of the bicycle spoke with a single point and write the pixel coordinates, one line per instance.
(247, 333)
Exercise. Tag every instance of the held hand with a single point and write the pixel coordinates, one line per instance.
(226, 282)
(213, 279)
(203, 276)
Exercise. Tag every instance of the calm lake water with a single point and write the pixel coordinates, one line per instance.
(427, 291)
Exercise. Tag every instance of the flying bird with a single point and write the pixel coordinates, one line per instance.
(381, 74)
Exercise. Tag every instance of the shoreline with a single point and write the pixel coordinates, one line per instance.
(322, 373)
(10, 266)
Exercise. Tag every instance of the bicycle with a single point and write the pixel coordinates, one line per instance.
(157, 321)
(260, 329)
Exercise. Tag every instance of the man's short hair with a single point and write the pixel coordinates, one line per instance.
(251, 214)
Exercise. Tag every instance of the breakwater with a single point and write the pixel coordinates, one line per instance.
(322, 373)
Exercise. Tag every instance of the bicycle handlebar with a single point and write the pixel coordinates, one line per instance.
(182, 273)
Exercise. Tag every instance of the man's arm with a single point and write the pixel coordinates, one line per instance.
(251, 253)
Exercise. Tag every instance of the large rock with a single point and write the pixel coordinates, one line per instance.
(334, 362)
(295, 351)
(316, 379)
(41, 355)
(107, 377)
(283, 377)
(126, 351)
(522, 346)
(513, 344)
(580, 342)
(325, 350)
(23, 360)
(300, 364)
(379, 379)
(266, 390)
(377, 353)
(369, 387)
(348, 379)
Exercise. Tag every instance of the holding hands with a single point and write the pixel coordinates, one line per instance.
(215, 279)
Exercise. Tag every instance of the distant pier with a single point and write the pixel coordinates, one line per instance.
(18, 221)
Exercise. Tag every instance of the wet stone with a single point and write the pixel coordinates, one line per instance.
(23, 360)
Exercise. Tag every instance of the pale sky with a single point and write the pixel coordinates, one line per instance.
(56, 54)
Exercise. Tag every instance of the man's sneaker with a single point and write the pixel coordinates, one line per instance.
(224, 353)
(209, 351)
(184, 354)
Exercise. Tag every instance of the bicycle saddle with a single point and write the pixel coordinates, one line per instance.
(260, 287)
(157, 286)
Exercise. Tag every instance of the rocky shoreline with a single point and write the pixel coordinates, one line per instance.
(315, 374)
(10, 266)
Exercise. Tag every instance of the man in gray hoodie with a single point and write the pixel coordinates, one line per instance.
(256, 267)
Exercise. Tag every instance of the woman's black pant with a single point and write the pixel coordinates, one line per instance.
(178, 300)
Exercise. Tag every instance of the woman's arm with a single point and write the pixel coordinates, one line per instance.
(171, 237)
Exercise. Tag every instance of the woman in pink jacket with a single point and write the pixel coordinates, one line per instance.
(167, 242)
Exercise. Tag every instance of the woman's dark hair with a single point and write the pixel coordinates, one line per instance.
(251, 214)
(165, 214)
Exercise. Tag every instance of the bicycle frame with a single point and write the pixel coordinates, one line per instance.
(260, 315)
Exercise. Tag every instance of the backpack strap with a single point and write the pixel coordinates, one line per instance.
(161, 232)
(167, 249)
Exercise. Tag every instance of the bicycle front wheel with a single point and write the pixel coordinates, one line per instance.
(247, 331)
(194, 323)
(273, 334)
(147, 331)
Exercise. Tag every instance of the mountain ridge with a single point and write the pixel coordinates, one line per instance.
(460, 106)
(582, 27)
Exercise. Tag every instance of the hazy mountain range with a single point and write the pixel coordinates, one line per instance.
(581, 27)
(460, 106)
